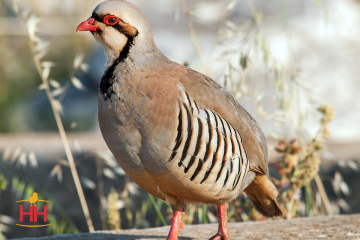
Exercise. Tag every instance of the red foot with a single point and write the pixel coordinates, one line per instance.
(176, 223)
(218, 237)
(223, 232)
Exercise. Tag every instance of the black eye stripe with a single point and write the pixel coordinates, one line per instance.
(116, 26)
(97, 17)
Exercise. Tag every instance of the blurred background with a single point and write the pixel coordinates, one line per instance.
(294, 65)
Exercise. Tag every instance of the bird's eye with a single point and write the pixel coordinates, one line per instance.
(111, 20)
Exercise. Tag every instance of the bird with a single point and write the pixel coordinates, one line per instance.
(34, 198)
(174, 131)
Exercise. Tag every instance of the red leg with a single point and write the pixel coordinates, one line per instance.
(223, 232)
(176, 223)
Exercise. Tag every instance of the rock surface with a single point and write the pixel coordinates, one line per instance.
(331, 227)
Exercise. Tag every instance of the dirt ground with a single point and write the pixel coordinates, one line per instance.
(333, 227)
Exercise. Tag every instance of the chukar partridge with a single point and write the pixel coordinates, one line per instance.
(174, 131)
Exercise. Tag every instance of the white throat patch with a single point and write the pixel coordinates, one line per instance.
(113, 43)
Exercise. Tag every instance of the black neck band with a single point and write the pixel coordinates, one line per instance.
(107, 79)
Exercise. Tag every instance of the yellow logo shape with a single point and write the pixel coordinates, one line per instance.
(33, 199)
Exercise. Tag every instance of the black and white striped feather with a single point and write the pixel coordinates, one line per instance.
(208, 149)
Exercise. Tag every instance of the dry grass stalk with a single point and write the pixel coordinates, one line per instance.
(99, 163)
(193, 36)
(323, 194)
(38, 48)
(66, 144)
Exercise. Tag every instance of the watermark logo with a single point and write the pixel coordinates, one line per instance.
(33, 212)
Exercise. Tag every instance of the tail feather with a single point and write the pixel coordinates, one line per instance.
(262, 194)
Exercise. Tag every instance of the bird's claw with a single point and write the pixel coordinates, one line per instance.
(219, 237)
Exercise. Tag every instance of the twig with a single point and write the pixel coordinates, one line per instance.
(66, 88)
(253, 13)
(193, 35)
(323, 194)
(101, 192)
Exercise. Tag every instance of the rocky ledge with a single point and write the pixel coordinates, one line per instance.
(329, 227)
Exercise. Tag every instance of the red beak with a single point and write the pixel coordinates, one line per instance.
(88, 25)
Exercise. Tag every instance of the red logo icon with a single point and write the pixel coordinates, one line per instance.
(33, 213)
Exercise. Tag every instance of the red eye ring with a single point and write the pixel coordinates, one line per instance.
(111, 20)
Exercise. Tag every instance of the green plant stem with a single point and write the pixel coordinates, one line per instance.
(191, 214)
(231, 213)
(307, 201)
(204, 211)
(311, 200)
(162, 219)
